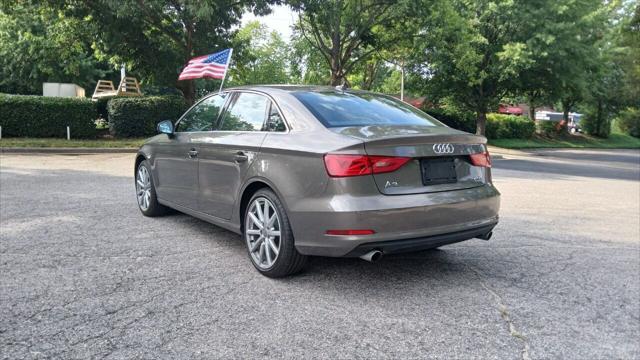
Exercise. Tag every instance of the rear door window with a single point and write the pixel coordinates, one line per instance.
(274, 123)
(247, 113)
(340, 109)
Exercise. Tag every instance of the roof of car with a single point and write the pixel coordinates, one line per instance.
(291, 88)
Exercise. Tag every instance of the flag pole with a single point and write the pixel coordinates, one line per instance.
(225, 69)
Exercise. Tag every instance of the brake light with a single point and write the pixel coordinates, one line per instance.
(481, 159)
(343, 165)
(350, 232)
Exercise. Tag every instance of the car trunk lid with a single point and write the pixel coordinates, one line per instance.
(439, 157)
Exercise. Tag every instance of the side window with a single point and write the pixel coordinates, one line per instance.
(202, 116)
(274, 121)
(247, 113)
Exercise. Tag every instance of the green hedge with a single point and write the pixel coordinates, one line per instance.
(461, 120)
(138, 116)
(548, 128)
(39, 116)
(500, 126)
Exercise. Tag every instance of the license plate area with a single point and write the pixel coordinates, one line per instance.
(436, 171)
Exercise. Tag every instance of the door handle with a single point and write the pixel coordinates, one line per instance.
(193, 153)
(241, 157)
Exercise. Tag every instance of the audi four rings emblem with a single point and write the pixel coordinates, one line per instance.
(443, 148)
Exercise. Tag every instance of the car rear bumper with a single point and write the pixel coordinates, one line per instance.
(401, 223)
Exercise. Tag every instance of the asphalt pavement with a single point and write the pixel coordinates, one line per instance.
(84, 275)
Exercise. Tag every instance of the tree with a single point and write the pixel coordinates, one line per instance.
(343, 31)
(157, 38)
(469, 52)
(262, 56)
(608, 89)
(38, 44)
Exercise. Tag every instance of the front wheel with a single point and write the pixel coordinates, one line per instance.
(269, 238)
(146, 192)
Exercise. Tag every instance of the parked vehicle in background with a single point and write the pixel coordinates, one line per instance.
(574, 119)
(301, 171)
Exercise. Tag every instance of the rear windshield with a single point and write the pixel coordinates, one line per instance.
(338, 109)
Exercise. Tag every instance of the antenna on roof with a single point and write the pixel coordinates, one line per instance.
(342, 87)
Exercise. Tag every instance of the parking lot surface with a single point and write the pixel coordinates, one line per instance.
(84, 275)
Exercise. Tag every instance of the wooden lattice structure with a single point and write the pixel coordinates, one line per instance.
(129, 86)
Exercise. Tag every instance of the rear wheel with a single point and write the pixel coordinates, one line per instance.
(269, 238)
(146, 192)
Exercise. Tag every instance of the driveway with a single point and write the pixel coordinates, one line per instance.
(83, 274)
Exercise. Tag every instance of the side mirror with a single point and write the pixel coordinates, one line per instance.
(165, 127)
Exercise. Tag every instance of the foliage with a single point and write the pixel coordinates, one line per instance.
(38, 116)
(38, 44)
(473, 51)
(629, 121)
(500, 126)
(156, 38)
(548, 128)
(461, 120)
(73, 143)
(138, 116)
(307, 64)
(263, 56)
(344, 32)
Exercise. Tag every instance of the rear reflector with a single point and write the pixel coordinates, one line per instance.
(481, 159)
(340, 165)
(350, 232)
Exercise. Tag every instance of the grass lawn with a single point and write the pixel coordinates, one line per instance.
(615, 141)
(50, 142)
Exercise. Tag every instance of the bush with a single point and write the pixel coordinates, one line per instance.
(548, 128)
(39, 116)
(501, 126)
(138, 116)
(629, 121)
(461, 120)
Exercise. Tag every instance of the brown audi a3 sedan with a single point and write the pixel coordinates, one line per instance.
(301, 171)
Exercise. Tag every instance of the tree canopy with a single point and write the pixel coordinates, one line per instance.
(575, 55)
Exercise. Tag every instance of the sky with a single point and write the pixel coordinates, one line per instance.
(281, 19)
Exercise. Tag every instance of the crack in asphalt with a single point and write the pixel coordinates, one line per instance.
(504, 313)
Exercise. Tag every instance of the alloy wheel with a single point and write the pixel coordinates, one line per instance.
(143, 188)
(262, 232)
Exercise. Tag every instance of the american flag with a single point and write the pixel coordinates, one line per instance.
(211, 66)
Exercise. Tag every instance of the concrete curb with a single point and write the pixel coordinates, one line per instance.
(61, 150)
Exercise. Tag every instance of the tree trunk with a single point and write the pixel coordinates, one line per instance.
(599, 120)
(188, 88)
(532, 111)
(481, 122)
(336, 79)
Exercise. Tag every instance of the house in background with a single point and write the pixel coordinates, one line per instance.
(62, 90)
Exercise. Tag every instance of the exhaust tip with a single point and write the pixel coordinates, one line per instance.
(372, 256)
(486, 236)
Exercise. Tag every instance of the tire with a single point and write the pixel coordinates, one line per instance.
(146, 192)
(287, 260)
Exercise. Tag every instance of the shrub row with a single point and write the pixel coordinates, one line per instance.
(138, 116)
(501, 126)
(460, 120)
(39, 116)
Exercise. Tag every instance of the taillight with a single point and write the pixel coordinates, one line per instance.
(342, 165)
(481, 159)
